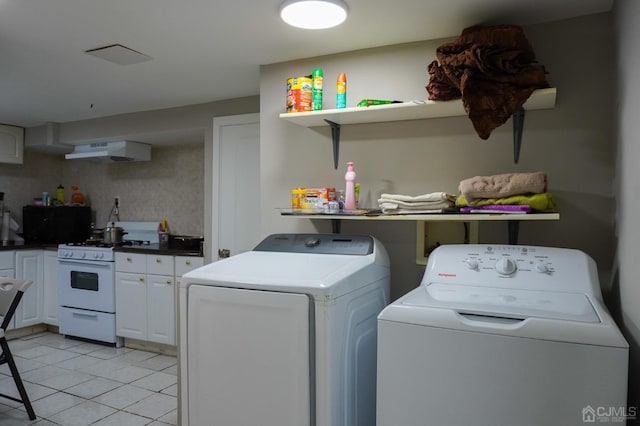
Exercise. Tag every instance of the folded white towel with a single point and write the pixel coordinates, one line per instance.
(415, 206)
(411, 211)
(407, 204)
(434, 196)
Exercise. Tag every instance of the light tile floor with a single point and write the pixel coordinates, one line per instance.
(75, 383)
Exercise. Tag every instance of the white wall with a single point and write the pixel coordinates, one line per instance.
(627, 16)
(571, 143)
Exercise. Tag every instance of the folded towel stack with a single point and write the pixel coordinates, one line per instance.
(435, 202)
(507, 189)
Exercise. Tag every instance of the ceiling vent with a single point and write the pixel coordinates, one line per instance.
(111, 152)
(119, 54)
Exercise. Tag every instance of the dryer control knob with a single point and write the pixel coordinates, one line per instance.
(542, 268)
(505, 266)
(471, 264)
(311, 242)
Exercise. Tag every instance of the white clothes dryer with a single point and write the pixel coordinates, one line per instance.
(284, 335)
(499, 336)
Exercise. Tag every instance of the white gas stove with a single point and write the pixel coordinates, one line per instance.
(87, 284)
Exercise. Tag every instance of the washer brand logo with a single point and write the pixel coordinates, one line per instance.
(440, 274)
(588, 414)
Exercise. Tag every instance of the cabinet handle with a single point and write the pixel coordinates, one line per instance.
(158, 260)
(188, 262)
(141, 279)
(128, 259)
(169, 282)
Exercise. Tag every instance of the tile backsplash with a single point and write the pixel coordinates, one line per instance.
(170, 186)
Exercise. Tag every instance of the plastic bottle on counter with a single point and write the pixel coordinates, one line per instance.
(60, 194)
(350, 188)
(316, 89)
(341, 91)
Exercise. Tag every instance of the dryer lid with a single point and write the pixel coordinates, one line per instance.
(505, 303)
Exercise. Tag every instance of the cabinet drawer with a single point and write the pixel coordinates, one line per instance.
(131, 262)
(7, 259)
(185, 264)
(159, 264)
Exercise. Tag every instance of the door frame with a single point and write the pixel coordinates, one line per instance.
(219, 123)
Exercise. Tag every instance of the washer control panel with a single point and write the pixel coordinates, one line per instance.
(506, 260)
(513, 266)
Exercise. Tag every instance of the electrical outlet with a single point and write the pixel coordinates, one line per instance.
(432, 234)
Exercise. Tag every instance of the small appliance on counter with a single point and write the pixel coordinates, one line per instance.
(56, 225)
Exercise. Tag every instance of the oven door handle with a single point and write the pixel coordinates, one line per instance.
(82, 314)
(83, 262)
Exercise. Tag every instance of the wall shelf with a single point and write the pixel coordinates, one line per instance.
(513, 220)
(411, 110)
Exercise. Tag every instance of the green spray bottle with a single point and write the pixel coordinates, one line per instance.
(316, 89)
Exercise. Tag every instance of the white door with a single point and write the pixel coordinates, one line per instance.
(236, 185)
(248, 358)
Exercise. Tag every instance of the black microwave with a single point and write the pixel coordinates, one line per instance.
(56, 225)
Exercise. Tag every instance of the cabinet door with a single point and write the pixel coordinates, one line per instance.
(11, 144)
(161, 318)
(30, 266)
(50, 288)
(10, 273)
(131, 262)
(159, 264)
(131, 305)
(185, 264)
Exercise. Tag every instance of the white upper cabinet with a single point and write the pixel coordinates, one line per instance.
(11, 144)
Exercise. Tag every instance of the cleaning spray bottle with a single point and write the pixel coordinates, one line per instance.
(341, 91)
(350, 188)
(316, 89)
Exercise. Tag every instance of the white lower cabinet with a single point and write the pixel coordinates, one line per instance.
(131, 305)
(50, 288)
(146, 295)
(7, 269)
(30, 266)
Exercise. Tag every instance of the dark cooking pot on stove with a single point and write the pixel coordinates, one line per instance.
(113, 234)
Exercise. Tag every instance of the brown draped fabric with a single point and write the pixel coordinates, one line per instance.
(494, 71)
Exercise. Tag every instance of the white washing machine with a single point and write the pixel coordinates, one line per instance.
(499, 336)
(284, 335)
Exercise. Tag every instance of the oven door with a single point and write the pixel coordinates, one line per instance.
(87, 284)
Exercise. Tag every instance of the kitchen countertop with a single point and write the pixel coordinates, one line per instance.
(144, 249)
(29, 246)
(154, 248)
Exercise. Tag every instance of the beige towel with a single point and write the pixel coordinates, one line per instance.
(504, 185)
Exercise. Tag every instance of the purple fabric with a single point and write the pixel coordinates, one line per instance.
(498, 207)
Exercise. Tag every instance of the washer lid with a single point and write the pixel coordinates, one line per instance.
(316, 274)
(501, 302)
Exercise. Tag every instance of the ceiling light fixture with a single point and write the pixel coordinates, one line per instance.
(313, 14)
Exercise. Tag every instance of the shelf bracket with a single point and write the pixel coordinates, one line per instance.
(335, 137)
(518, 125)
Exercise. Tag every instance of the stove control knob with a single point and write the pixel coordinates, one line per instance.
(95, 255)
(505, 266)
(542, 268)
(82, 255)
(68, 254)
(471, 264)
(100, 255)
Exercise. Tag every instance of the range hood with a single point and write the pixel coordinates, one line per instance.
(111, 152)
